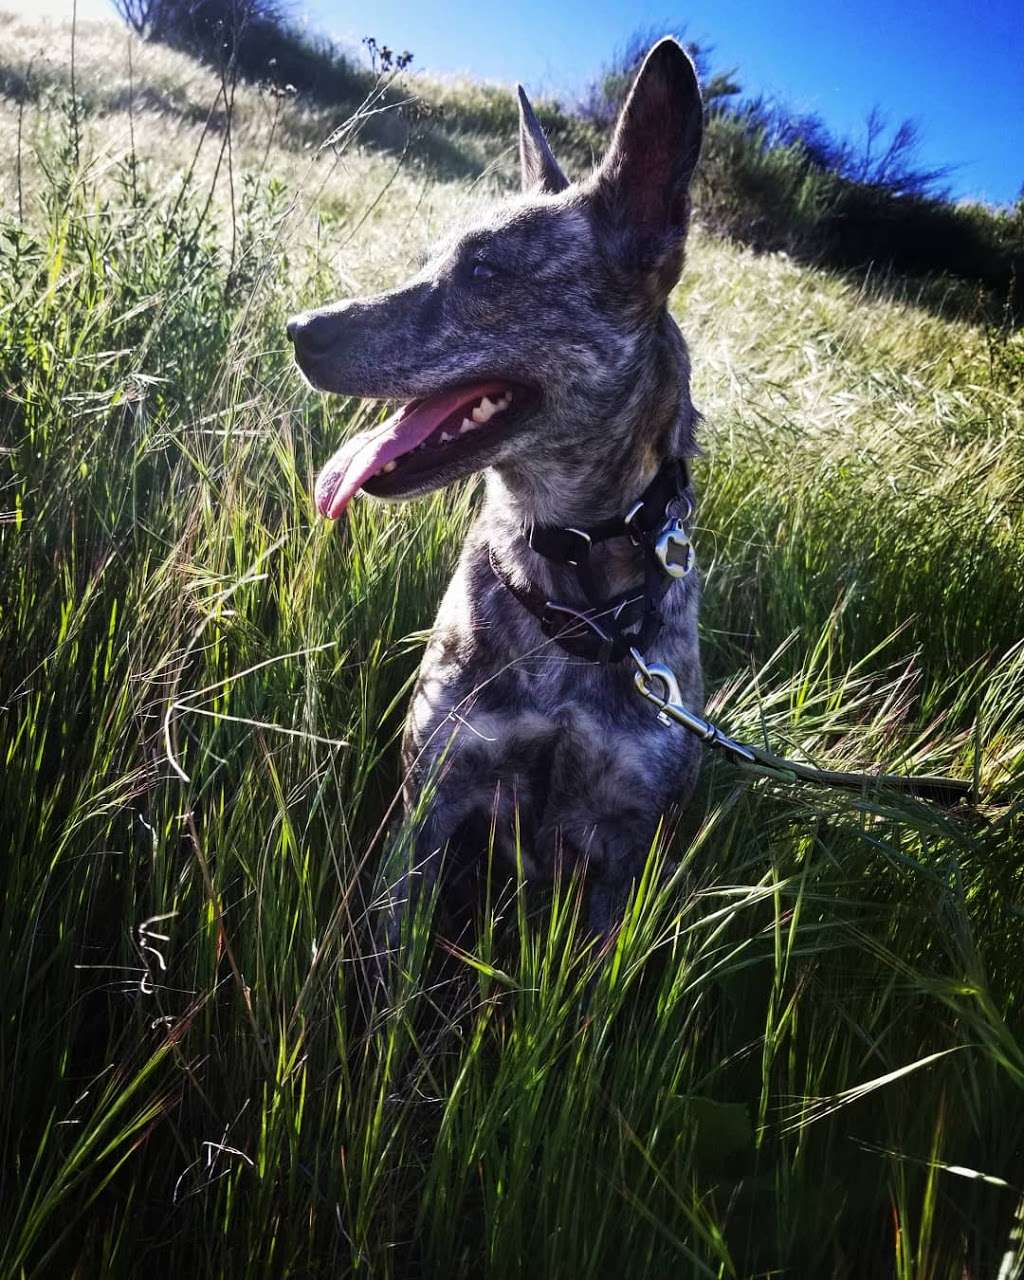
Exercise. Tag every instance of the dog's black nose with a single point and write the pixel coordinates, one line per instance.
(313, 333)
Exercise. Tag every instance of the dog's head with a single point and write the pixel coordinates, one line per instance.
(534, 341)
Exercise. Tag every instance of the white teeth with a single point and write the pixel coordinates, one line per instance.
(484, 411)
(487, 408)
(388, 467)
(467, 425)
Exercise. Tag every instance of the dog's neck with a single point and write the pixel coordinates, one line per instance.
(582, 487)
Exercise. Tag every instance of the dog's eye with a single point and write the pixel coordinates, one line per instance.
(481, 270)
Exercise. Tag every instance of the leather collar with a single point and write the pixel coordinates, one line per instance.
(608, 629)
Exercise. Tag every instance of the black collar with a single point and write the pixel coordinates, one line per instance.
(608, 629)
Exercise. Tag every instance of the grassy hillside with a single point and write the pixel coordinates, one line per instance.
(803, 1056)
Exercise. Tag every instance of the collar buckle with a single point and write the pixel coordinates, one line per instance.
(635, 532)
(567, 545)
(606, 629)
(586, 542)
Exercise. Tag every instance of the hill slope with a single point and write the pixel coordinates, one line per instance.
(805, 1052)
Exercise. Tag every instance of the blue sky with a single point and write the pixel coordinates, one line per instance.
(956, 67)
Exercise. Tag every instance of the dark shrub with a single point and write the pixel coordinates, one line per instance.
(253, 38)
(600, 102)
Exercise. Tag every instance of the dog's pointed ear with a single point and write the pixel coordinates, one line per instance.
(538, 166)
(643, 182)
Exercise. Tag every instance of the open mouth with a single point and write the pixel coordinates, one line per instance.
(422, 439)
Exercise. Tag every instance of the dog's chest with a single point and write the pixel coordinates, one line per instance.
(548, 773)
(513, 727)
(507, 727)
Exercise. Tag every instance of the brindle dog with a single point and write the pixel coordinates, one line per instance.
(537, 346)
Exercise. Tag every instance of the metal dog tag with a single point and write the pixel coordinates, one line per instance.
(674, 550)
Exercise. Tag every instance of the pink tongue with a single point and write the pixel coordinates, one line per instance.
(365, 454)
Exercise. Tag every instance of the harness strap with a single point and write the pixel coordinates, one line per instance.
(607, 630)
(596, 636)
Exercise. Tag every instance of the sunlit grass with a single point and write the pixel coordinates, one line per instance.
(803, 1051)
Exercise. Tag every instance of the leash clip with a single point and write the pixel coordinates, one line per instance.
(671, 709)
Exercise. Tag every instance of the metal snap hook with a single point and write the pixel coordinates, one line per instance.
(648, 677)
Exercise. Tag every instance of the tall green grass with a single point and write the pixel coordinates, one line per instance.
(802, 1053)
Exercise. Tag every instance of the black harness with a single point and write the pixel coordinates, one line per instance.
(609, 629)
(625, 626)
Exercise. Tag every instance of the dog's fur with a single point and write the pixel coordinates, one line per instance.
(506, 724)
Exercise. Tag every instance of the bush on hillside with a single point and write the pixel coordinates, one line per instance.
(601, 101)
(885, 158)
(918, 234)
(768, 197)
(254, 38)
(775, 194)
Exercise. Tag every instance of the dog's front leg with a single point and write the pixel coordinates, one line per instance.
(616, 855)
(410, 872)
(609, 794)
(440, 804)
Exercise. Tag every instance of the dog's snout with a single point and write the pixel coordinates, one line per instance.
(313, 333)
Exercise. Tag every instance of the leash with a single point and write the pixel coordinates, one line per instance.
(945, 792)
(612, 630)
